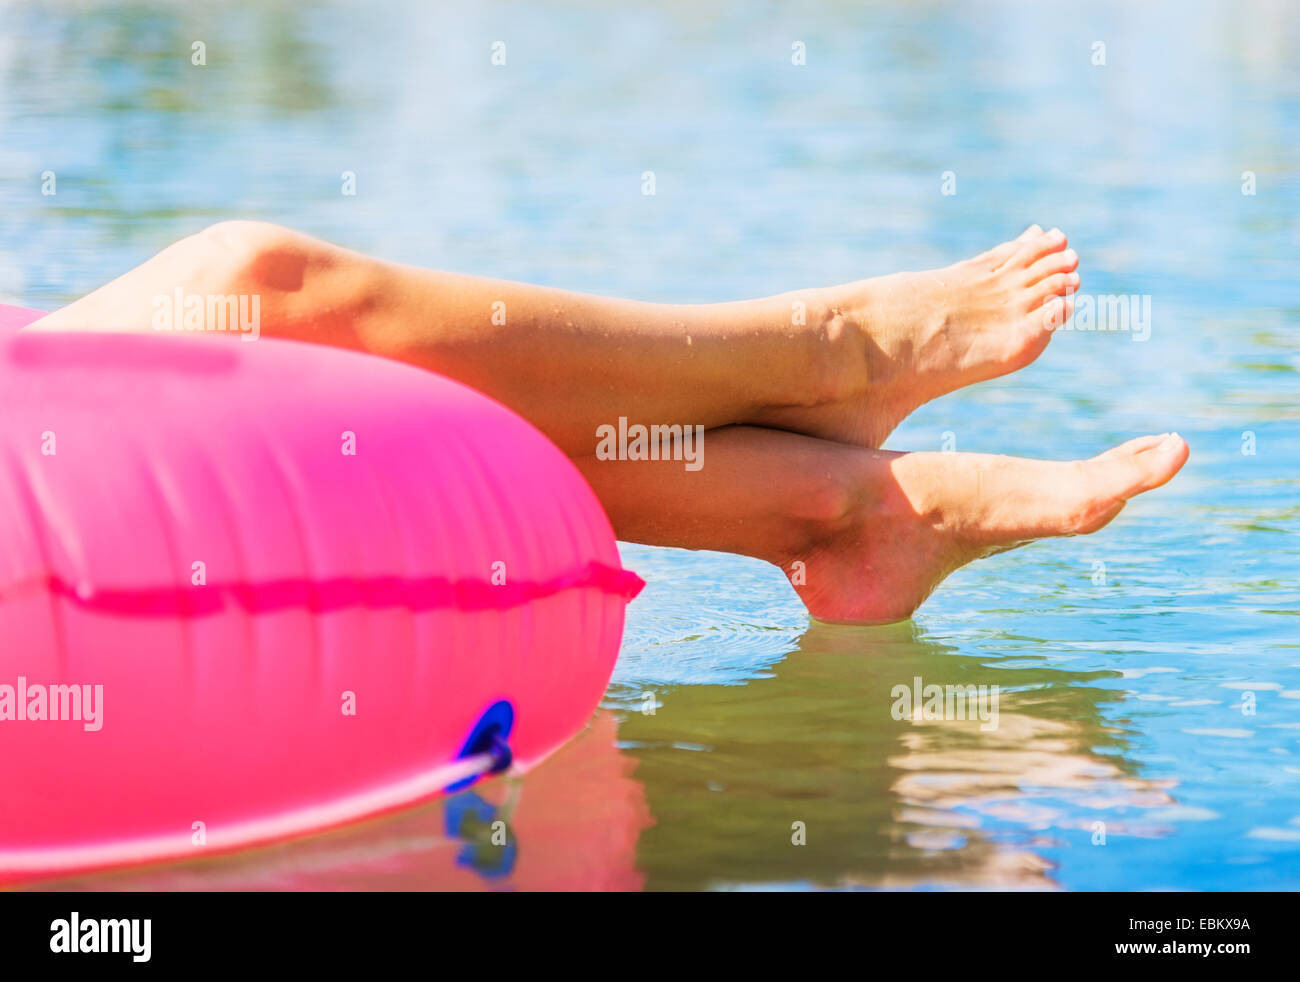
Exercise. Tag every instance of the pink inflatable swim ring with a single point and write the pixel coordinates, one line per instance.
(253, 590)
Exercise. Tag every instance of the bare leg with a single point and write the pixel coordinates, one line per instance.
(844, 363)
(866, 535)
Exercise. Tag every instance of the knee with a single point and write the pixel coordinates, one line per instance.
(248, 257)
(242, 258)
(298, 279)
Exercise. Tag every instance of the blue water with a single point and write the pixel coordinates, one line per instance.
(1149, 732)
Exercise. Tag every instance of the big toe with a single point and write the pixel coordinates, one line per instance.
(1112, 478)
(1035, 246)
(999, 254)
(1143, 464)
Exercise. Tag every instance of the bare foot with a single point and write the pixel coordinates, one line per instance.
(919, 516)
(926, 334)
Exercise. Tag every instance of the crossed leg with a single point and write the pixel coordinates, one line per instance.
(866, 535)
(796, 391)
(844, 363)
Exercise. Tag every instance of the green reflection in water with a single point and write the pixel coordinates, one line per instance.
(728, 769)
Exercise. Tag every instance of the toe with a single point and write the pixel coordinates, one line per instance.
(1053, 314)
(1054, 286)
(999, 255)
(1065, 261)
(1112, 478)
(1036, 247)
(1133, 446)
(1149, 466)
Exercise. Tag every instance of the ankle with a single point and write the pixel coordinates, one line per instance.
(821, 512)
(843, 346)
(823, 349)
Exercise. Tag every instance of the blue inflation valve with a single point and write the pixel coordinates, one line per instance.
(490, 735)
